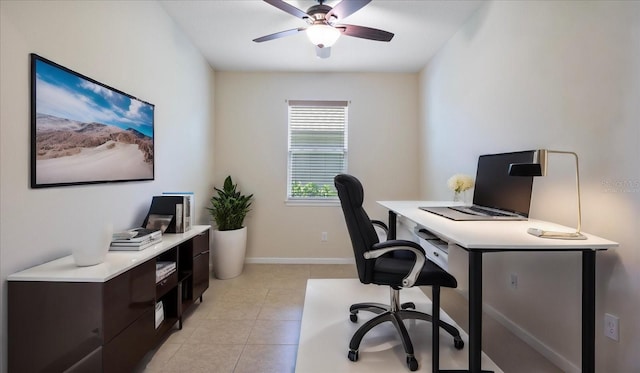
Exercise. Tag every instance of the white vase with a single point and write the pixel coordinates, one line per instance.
(93, 253)
(229, 249)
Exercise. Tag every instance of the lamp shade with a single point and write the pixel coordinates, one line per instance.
(525, 169)
(537, 168)
(323, 35)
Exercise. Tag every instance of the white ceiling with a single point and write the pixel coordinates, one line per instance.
(223, 31)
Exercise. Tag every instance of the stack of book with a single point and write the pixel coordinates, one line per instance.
(164, 269)
(135, 239)
(159, 314)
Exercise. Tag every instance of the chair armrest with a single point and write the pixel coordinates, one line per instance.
(382, 248)
(381, 225)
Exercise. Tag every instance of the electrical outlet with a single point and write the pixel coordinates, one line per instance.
(612, 327)
(513, 280)
(324, 237)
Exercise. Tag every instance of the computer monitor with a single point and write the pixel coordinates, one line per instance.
(496, 189)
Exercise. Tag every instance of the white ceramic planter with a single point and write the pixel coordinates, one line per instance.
(228, 252)
(93, 252)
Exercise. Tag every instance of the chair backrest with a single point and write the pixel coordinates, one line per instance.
(361, 230)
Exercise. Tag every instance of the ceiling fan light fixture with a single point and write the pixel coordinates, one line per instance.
(323, 52)
(323, 35)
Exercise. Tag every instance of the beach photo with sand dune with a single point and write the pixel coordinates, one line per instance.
(85, 132)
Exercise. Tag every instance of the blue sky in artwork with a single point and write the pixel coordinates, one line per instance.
(66, 95)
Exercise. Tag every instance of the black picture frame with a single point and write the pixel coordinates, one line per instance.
(85, 132)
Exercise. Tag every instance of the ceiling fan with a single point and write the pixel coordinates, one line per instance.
(323, 29)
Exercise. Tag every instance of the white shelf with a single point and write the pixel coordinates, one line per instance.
(115, 262)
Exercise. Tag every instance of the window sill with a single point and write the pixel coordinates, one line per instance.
(312, 202)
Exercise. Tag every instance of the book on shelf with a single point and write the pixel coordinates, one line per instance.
(136, 235)
(171, 213)
(164, 270)
(186, 212)
(133, 246)
(159, 314)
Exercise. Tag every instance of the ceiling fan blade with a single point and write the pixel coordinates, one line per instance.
(287, 8)
(365, 32)
(278, 35)
(345, 8)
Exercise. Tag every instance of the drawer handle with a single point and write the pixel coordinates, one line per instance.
(436, 254)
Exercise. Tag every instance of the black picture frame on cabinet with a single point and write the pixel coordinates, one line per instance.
(85, 132)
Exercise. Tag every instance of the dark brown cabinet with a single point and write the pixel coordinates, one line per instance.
(51, 326)
(200, 264)
(63, 318)
(127, 297)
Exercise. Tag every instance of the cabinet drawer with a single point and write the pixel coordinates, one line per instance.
(166, 284)
(89, 364)
(437, 255)
(124, 352)
(200, 274)
(40, 312)
(200, 243)
(127, 297)
(436, 249)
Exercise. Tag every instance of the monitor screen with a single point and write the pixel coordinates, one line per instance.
(496, 189)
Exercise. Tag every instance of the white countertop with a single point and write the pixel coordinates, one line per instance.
(493, 235)
(115, 262)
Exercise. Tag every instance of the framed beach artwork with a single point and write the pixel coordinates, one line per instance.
(84, 132)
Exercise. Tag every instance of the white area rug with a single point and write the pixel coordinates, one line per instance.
(326, 331)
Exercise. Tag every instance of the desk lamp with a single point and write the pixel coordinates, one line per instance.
(539, 168)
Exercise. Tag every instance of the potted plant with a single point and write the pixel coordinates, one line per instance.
(228, 209)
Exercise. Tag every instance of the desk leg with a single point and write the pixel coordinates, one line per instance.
(475, 311)
(475, 315)
(391, 235)
(588, 311)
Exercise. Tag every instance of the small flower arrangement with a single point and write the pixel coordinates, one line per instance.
(459, 183)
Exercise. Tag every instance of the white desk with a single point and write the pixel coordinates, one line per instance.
(478, 237)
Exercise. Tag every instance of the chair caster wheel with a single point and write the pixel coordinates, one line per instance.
(458, 343)
(412, 363)
(353, 317)
(408, 305)
(353, 355)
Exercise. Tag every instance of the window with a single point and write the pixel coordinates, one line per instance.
(317, 149)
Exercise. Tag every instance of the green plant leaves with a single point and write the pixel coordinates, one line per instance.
(312, 190)
(229, 207)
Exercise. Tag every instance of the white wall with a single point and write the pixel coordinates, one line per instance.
(558, 75)
(251, 145)
(131, 46)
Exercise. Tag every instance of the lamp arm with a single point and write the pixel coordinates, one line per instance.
(579, 227)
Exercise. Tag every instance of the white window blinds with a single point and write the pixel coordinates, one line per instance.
(317, 148)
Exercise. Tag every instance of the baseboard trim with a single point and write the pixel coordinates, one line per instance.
(300, 260)
(528, 338)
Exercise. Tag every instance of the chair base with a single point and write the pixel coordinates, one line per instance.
(380, 308)
(396, 313)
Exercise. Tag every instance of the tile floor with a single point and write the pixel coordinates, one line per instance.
(251, 324)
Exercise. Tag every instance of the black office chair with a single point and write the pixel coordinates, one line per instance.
(397, 264)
